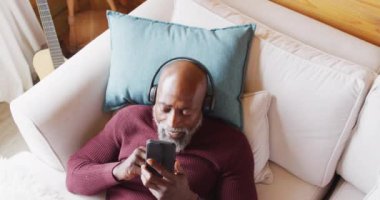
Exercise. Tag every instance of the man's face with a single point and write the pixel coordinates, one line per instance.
(177, 112)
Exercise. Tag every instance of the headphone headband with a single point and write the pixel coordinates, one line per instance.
(209, 99)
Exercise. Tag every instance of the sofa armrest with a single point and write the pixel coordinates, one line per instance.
(59, 114)
(64, 110)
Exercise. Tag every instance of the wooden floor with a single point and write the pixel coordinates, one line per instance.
(11, 142)
(88, 24)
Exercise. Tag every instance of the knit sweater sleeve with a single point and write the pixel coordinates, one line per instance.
(89, 170)
(237, 180)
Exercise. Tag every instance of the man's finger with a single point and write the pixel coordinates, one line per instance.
(140, 152)
(142, 148)
(136, 170)
(139, 161)
(161, 170)
(151, 178)
(178, 170)
(147, 183)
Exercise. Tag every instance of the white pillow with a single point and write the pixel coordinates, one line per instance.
(375, 192)
(256, 129)
(360, 162)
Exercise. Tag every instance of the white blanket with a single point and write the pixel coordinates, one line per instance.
(24, 177)
(18, 183)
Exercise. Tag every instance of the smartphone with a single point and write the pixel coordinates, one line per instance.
(162, 152)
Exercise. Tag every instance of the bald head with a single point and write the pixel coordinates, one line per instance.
(183, 79)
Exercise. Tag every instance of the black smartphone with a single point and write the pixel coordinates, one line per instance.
(162, 152)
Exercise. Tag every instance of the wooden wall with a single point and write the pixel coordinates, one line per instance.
(360, 18)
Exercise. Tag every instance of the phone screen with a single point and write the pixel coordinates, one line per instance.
(162, 152)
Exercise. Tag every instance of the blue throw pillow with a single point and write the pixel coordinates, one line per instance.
(139, 46)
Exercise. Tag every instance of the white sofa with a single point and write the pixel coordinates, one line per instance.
(323, 141)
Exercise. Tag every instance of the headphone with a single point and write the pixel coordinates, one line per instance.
(209, 101)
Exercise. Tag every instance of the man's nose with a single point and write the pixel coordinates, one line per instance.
(173, 119)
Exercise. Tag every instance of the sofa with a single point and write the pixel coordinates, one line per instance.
(323, 118)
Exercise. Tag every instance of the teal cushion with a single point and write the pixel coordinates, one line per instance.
(139, 46)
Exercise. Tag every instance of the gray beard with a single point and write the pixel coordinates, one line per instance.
(162, 131)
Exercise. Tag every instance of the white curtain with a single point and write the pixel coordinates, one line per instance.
(20, 37)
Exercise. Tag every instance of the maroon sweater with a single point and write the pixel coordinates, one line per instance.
(218, 162)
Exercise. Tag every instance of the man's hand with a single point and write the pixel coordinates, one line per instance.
(130, 167)
(170, 186)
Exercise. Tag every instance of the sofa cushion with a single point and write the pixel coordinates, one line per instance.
(374, 194)
(256, 129)
(286, 186)
(360, 162)
(139, 46)
(345, 191)
(316, 96)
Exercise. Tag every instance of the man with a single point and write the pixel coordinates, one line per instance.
(213, 161)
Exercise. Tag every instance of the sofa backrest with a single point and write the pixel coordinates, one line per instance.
(316, 96)
(360, 163)
(310, 31)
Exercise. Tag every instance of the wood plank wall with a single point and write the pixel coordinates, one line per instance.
(360, 18)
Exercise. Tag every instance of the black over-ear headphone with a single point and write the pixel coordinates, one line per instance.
(209, 101)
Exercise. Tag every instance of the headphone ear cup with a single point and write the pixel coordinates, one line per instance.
(208, 104)
(152, 94)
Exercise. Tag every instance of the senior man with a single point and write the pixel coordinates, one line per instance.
(213, 159)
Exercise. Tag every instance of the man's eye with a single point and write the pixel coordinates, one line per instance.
(165, 109)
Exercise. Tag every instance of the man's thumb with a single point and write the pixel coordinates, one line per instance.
(178, 168)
